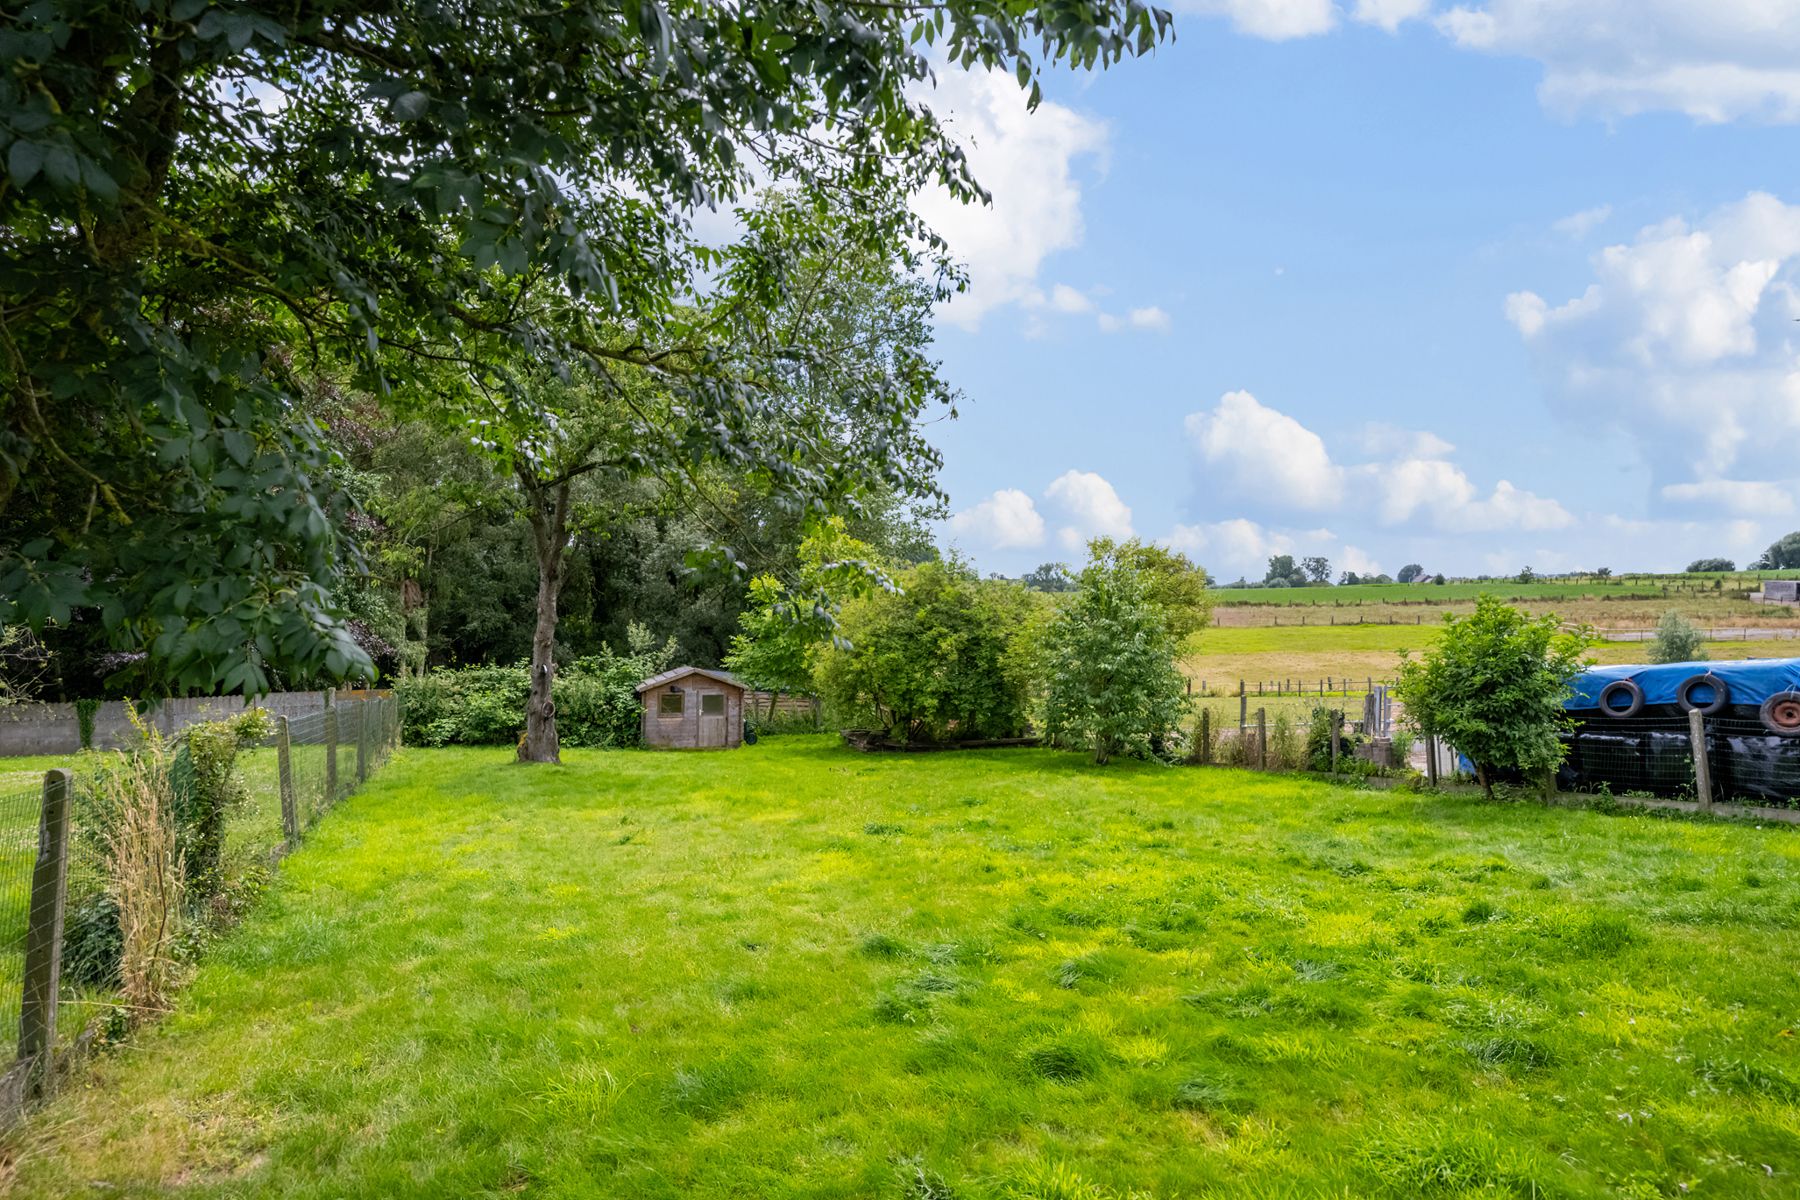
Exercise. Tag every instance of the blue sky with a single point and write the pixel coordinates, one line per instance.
(1507, 283)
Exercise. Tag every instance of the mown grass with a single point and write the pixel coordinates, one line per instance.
(792, 970)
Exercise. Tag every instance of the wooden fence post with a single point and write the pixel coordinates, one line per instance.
(331, 740)
(1243, 708)
(1337, 727)
(1431, 760)
(1262, 740)
(44, 935)
(1702, 766)
(1205, 737)
(284, 765)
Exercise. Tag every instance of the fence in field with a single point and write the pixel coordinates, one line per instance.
(53, 882)
(1330, 685)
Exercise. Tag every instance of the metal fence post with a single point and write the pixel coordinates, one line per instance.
(284, 764)
(331, 740)
(1702, 767)
(44, 934)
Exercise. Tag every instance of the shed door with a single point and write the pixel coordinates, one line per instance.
(712, 719)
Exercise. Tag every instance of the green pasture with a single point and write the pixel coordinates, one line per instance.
(1614, 587)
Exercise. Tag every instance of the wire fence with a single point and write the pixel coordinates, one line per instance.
(18, 857)
(1745, 761)
(291, 779)
(1323, 687)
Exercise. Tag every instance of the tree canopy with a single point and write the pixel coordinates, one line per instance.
(203, 201)
(1782, 555)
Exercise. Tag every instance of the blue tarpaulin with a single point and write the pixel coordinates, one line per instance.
(1750, 682)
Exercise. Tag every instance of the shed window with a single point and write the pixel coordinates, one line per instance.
(712, 704)
(669, 704)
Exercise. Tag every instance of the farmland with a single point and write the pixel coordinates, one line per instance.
(796, 971)
(1220, 657)
(1617, 587)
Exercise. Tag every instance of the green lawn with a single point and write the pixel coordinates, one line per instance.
(792, 970)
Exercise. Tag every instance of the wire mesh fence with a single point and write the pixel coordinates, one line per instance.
(290, 778)
(1745, 761)
(19, 811)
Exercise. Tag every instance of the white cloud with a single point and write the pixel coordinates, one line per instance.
(1350, 558)
(1258, 448)
(1276, 20)
(1026, 160)
(1685, 341)
(1715, 60)
(1579, 225)
(1239, 545)
(1382, 440)
(1389, 14)
(1065, 299)
(1090, 506)
(1745, 497)
(1152, 318)
(1006, 520)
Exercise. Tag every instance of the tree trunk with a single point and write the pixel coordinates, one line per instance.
(549, 516)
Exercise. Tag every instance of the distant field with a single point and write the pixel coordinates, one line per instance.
(1308, 654)
(1618, 587)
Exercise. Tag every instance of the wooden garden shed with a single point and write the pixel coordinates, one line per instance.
(692, 708)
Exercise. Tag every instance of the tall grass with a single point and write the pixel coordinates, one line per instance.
(129, 820)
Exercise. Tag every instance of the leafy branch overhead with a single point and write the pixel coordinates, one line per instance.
(202, 201)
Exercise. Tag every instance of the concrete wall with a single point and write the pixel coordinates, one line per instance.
(54, 728)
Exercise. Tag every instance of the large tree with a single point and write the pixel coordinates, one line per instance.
(192, 187)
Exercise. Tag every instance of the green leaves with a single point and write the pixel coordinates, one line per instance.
(435, 193)
(1114, 687)
(1493, 686)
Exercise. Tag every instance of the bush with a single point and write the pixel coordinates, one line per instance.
(596, 699)
(945, 658)
(1677, 640)
(206, 786)
(1494, 686)
(1318, 742)
(1113, 684)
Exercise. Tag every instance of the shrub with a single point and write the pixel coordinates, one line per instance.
(945, 658)
(1677, 640)
(204, 787)
(1318, 743)
(1494, 686)
(596, 699)
(1113, 684)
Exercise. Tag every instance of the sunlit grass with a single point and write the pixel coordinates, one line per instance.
(793, 970)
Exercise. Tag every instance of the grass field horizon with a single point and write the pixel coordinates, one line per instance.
(793, 970)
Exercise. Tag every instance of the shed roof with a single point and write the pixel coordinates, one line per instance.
(674, 673)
